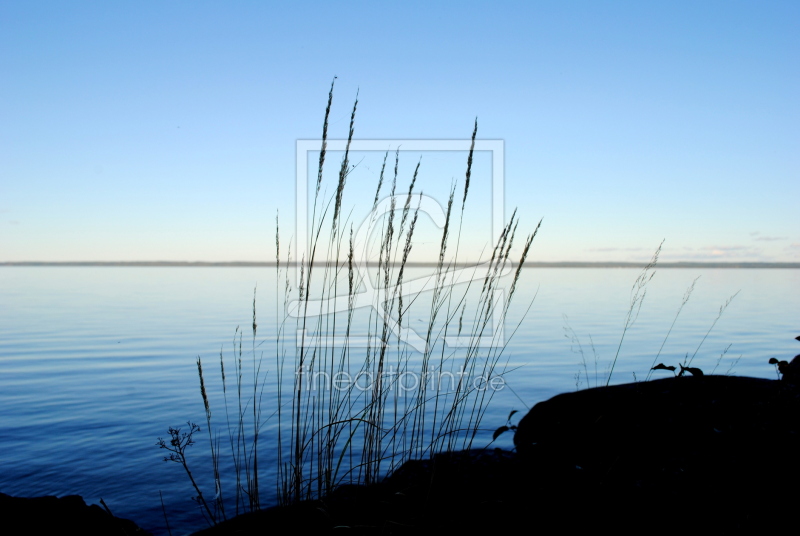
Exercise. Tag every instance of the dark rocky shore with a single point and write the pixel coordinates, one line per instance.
(54, 516)
(716, 454)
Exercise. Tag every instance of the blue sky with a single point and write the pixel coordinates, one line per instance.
(167, 130)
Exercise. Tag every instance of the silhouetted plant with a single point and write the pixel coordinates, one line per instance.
(178, 443)
(638, 293)
(507, 427)
(327, 436)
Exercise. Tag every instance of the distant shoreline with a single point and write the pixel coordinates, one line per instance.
(272, 264)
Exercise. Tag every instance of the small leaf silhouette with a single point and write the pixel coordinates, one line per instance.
(662, 366)
(511, 415)
(499, 431)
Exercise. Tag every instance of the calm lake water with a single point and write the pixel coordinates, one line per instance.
(97, 362)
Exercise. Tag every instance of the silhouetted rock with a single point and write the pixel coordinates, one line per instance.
(54, 516)
(718, 449)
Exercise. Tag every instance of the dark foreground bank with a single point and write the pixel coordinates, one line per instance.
(54, 516)
(715, 454)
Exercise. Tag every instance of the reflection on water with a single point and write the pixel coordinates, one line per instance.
(96, 363)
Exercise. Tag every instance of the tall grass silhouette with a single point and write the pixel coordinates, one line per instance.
(329, 428)
(352, 433)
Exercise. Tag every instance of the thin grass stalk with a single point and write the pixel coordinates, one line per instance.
(468, 175)
(455, 415)
(241, 437)
(255, 502)
(570, 334)
(685, 299)
(399, 293)
(333, 404)
(304, 289)
(345, 357)
(218, 503)
(719, 360)
(487, 305)
(324, 448)
(278, 363)
(376, 413)
(418, 425)
(374, 363)
(638, 292)
(446, 422)
(236, 467)
(719, 315)
(483, 315)
(483, 405)
(418, 422)
(321, 452)
(343, 172)
(389, 305)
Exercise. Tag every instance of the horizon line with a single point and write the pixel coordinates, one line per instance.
(540, 264)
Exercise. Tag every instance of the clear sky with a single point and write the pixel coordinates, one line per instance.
(167, 130)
